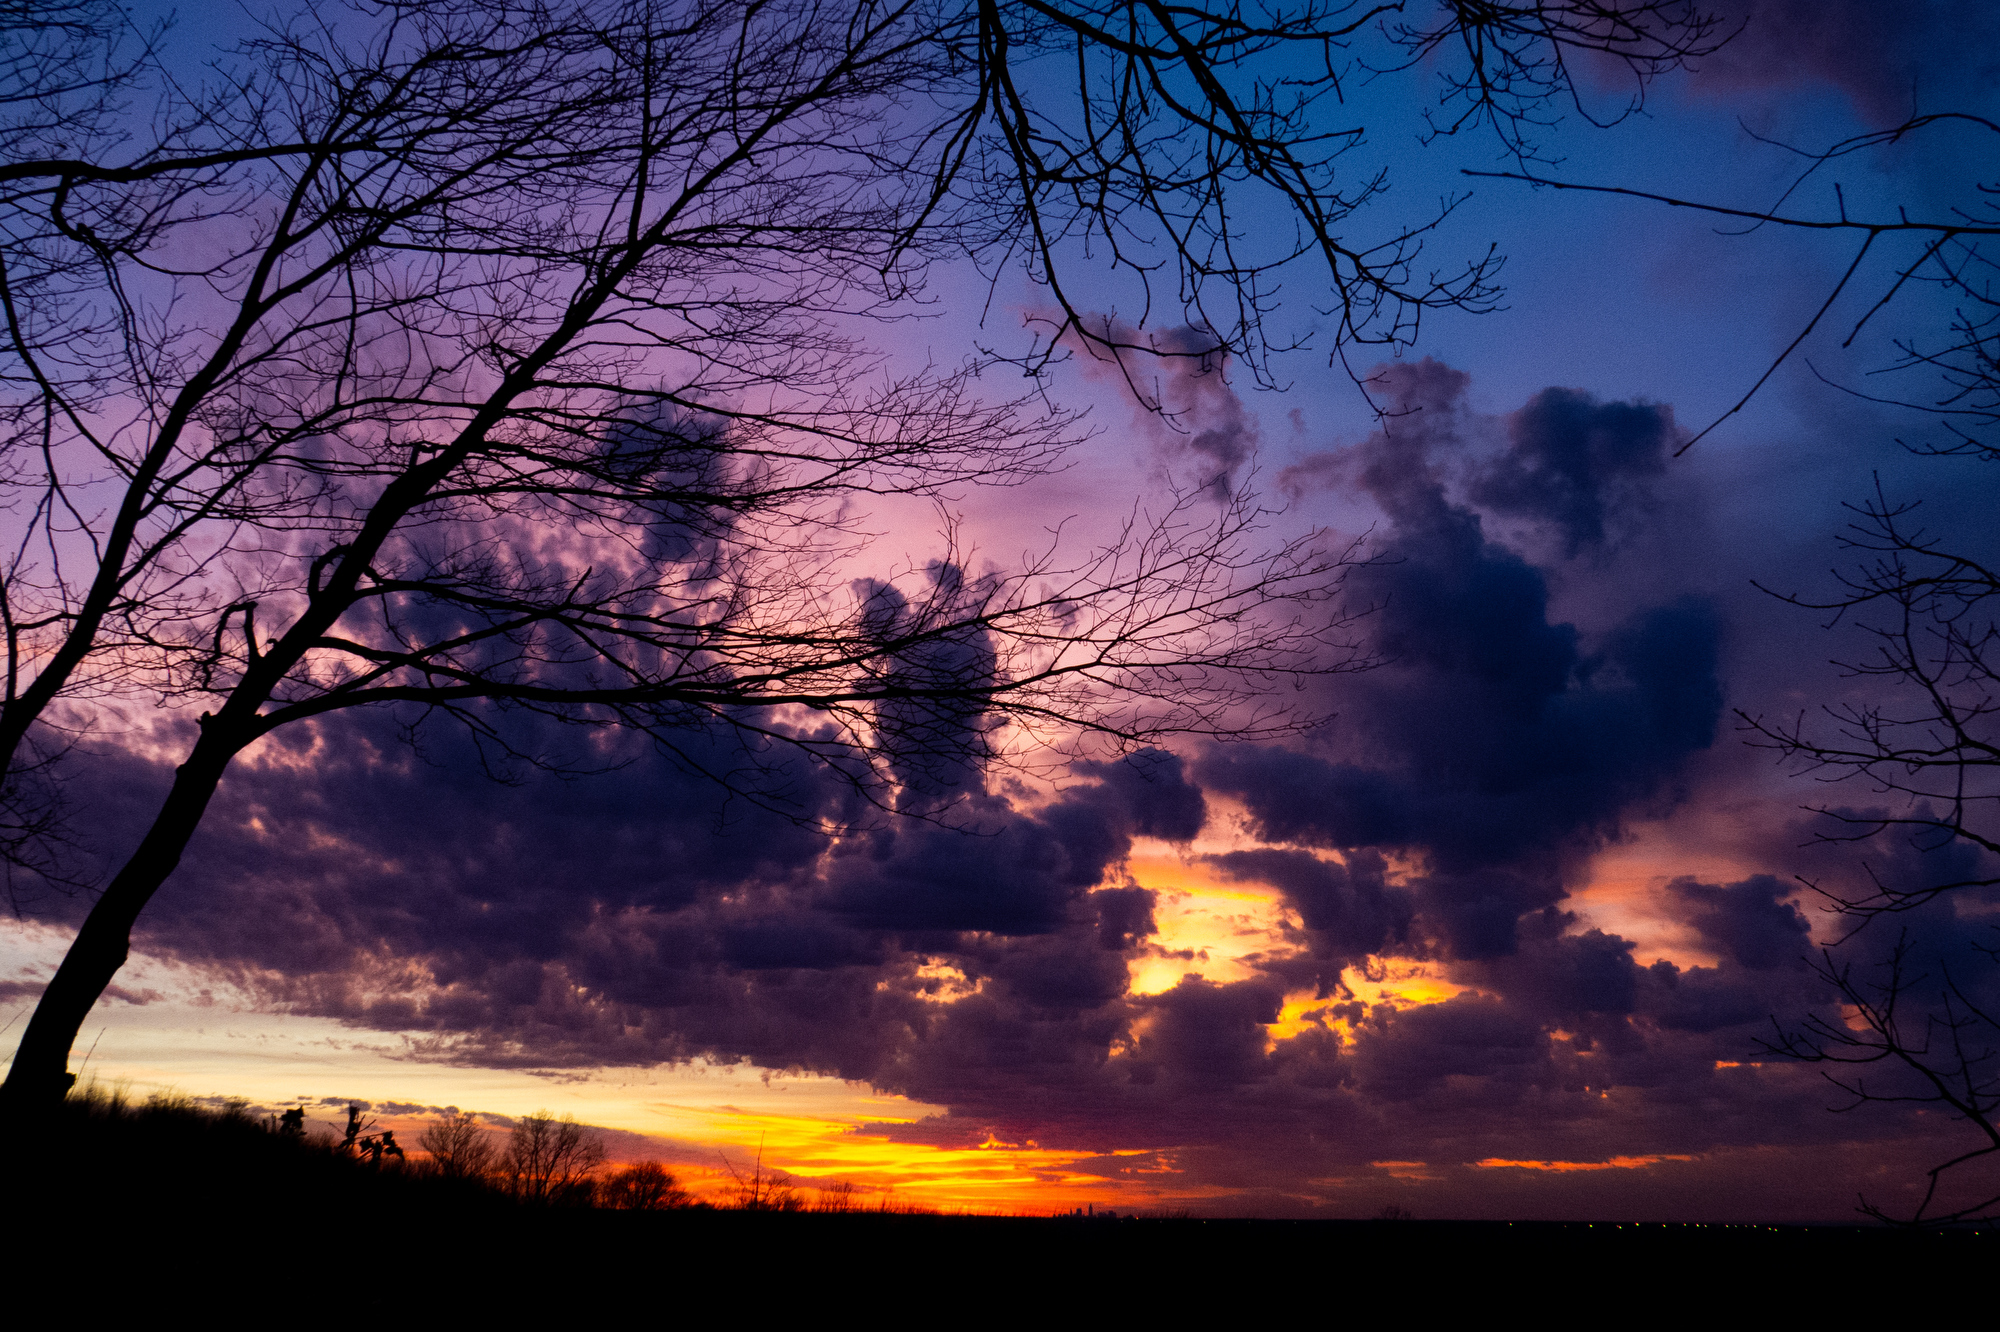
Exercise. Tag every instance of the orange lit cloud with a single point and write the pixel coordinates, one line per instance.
(1564, 1167)
(1207, 926)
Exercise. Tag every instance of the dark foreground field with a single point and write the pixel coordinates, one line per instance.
(200, 1214)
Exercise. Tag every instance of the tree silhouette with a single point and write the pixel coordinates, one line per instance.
(1945, 1056)
(552, 1161)
(643, 1186)
(463, 358)
(458, 1148)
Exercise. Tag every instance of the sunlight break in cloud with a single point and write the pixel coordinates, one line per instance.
(1564, 1167)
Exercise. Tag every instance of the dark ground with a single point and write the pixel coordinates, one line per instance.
(184, 1211)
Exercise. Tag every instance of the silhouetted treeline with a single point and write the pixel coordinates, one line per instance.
(263, 1207)
(171, 1147)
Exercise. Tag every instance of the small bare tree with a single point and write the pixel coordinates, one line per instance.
(842, 1197)
(763, 1188)
(458, 1147)
(552, 1161)
(644, 1186)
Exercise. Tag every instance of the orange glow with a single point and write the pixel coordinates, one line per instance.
(1405, 984)
(1626, 890)
(1214, 928)
(1563, 1167)
(993, 1176)
(713, 1147)
(1304, 1011)
(1401, 985)
(1207, 926)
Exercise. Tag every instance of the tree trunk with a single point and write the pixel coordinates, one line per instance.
(40, 1075)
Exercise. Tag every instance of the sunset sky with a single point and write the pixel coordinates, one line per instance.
(1496, 940)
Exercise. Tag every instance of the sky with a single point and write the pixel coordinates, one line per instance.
(1499, 939)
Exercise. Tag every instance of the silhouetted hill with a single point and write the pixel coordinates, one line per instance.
(161, 1195)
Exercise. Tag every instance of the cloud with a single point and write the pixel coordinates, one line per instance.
(1185, 405)
(1535, 705)
(1497, 742)
(1883, 57)
(1401, 1055)
(1348, 908)
(1573, 462)
(1748, 921)
(1200, 1036)
(1007, 871)
(1564, 1167)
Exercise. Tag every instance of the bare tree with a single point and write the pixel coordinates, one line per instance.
(1924, 741)
(461, 358)
(644, 1186)
(1949, 251)
(1927, 601)
(1515, 70)
(63, 66)
(1176, 120)
(840, 1198)
(552, 1161)
(1929, 742)
(763, 1188)
(458, 1147)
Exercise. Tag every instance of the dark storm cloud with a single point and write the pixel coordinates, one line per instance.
(935, 746)
(1884, 57)
(1404, 1054)
(1009, 872)
(1349, 910)
(1155, 794)
(643, 913)
(1496, 741)
(340, 873)
(1124, 916)
(1749, 920)
(1948, 939)
(1703, 1000)
(1501, 745)
(520, 925)
(1572, 462)
(1561, 976)
(1207, 1037)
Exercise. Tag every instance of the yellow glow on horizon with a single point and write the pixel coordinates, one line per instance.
(1564, 1167)
(193, 1035)
(816, 1152)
